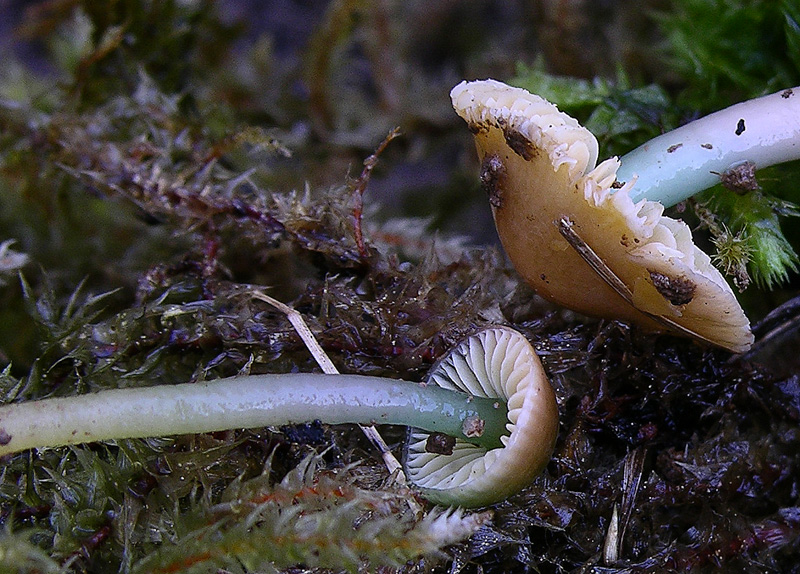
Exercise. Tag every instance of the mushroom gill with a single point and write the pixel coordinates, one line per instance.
(496, 363)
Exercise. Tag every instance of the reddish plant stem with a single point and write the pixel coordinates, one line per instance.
(90, 544)
(360, 186)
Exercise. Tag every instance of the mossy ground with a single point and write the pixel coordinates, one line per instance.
(159, 161)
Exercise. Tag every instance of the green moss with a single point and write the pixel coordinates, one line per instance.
(154, 172)
(730, 50)
(753, 238)
(620, 114)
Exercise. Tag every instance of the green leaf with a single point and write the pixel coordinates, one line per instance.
(19, 555)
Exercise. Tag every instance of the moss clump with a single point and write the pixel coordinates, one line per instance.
(163, 161)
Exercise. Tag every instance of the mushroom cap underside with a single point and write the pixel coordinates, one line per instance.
(538, 167)
(496, 363)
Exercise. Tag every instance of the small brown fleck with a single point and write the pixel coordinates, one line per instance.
(473, 426)
(676, 290)
(740, 127)
(521, 145)
(617, 184)
(476, 128)
(440, 443)
(672, 148)
(5, 438)
(647, 431)
(493, 179)
(707, 146)
(625, 241)
(787, 93)
(740, 178)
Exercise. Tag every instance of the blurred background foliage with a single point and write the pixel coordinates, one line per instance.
(159, 159)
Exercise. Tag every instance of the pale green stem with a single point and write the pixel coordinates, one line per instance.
(677, 165)
(246, 402)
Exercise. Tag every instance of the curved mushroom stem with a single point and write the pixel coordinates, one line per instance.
(676, 165)
(248, 402)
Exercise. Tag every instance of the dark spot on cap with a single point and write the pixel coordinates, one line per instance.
(5, 438)
(740, 127)
(676, 290)
(521, 145)
(672, 148)
(707, 146)
(493, 179)
(787, 93)
(440, 443)
(476, 128)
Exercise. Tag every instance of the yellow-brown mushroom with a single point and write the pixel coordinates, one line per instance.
(572, 231)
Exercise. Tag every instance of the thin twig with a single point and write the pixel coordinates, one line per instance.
(327, 366)
(299, 324)
(566, 228)
(360, 186)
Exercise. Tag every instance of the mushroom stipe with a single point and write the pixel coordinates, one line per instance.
(489, 395)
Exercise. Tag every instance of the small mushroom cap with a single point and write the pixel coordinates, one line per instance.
(538, 167)
(496, 363)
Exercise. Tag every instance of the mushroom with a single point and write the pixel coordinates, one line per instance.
(572, 229)
(498, 363)
(501, 403)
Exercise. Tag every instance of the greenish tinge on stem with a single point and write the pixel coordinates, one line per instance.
(678, 164)
(714, 149)
(249, 402)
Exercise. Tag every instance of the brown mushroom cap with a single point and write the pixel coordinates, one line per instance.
(572, 231)
(496, 363)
